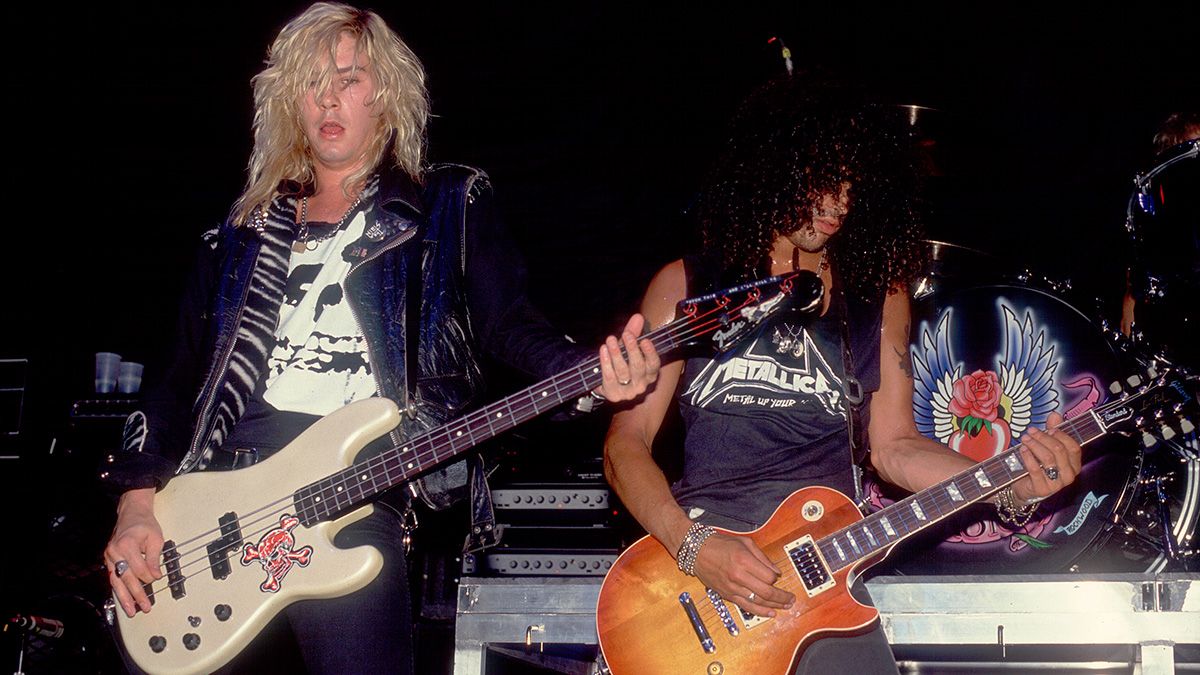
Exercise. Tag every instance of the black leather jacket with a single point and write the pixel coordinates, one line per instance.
(472, 294)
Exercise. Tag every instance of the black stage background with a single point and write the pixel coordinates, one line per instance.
(596, 121)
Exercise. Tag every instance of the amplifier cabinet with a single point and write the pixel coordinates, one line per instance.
(547, 550)
(539, 563)
(551, 497)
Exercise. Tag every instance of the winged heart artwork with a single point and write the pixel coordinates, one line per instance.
(984, 374)
(980, 414)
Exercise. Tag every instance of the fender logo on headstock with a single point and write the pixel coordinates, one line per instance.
(1116, 415)
(725, 338)
(734, 329)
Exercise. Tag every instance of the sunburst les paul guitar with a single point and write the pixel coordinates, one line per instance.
(653, 619)
(242, 545)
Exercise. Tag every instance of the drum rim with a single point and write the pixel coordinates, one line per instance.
(1014, 284)
(1116, 514)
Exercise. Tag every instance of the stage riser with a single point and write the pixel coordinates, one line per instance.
(1042, 623)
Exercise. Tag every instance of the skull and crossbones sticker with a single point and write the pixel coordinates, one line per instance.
(277, 553)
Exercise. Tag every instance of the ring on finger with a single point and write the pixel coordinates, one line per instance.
(120, 567)
(1051, 472)
(751, 596)
(624, 383)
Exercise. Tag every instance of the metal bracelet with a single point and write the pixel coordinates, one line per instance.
(1011, 512)
(689, 548)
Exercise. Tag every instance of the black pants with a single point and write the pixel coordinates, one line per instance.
(867, 654)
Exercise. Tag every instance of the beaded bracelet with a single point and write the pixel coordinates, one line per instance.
(689, 548)
(1012, 513)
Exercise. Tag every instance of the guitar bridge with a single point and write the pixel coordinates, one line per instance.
(722, 611)
(689, 608)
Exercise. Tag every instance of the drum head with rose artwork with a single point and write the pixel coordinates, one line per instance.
(990, 362)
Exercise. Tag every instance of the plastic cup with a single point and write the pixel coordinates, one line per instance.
(129, 377)
(108, 366)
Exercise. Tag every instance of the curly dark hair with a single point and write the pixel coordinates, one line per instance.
(793, 141)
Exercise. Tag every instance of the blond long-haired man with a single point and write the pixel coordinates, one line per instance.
(345, 265)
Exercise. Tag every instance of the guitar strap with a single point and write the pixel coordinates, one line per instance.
(412, 326)
(852, 390)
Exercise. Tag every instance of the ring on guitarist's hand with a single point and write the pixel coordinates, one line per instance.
(751, 596)
(624, 383)
(1051, 472)
(120, 567)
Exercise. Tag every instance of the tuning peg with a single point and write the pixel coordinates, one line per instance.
(1148, 439)
(1167, 433)
(1115, 387)
(1152, 371)
(1134, 381)
(1186, 425)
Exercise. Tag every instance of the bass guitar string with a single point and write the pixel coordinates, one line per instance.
(374, 463)
(691, 331)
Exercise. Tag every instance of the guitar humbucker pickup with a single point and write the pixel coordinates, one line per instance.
(810, 566)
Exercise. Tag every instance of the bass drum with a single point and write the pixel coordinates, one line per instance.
(1013, 354)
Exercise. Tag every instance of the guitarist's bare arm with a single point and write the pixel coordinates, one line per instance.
(628, 464)
(905, 457)
(733, 566)
(137, 540)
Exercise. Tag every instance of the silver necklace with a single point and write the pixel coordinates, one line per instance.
(822, 264)
(304, 239)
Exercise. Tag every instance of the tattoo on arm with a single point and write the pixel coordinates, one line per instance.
(905, 362)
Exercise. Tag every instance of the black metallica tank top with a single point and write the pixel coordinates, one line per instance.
(768, 417)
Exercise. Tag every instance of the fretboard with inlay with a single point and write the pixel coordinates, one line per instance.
(883, 529)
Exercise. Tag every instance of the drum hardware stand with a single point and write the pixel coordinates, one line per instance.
(1164, 520)
(1176, 551)
(21, 648)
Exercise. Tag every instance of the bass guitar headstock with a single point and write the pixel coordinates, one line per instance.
(727, 316)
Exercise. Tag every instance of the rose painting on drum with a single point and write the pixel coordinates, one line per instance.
(984, 412)
(979, 410)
